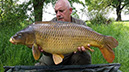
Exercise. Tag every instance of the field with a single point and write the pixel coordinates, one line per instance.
(12, 55)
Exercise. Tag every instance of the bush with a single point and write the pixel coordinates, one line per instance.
(98, 19)
(12, 13)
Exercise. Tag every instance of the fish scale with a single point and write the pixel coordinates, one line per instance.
(60, 38)
(63, 37)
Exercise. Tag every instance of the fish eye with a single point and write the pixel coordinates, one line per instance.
(19, 35)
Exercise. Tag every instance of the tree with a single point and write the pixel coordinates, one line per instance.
(102, 5)
(10, 8)
(11, 13)
(38, 6)
(119, 5)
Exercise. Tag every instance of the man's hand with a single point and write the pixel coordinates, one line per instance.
(41, 50)
(82, 48)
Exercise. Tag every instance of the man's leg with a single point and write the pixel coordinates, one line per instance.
(81, 58)
(78, 58)
(45, 60)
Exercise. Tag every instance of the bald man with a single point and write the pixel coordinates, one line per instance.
(81, 57)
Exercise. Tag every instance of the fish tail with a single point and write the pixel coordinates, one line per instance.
(106, 50)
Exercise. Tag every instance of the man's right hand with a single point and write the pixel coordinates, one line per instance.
(41, 50)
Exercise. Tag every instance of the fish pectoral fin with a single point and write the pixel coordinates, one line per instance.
(36, 52)
(58, 58)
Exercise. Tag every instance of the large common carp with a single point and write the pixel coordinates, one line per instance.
(60, 38)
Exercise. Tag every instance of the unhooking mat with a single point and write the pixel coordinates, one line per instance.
(66, 68)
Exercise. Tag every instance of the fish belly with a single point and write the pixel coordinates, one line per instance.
(61, 45)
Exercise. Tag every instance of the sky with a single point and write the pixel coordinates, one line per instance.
(49, 12)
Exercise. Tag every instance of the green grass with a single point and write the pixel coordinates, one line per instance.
(12, 55)
(120, 31)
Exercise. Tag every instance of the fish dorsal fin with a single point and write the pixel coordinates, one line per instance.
(35, 51)
(57, 58)
(42, 22)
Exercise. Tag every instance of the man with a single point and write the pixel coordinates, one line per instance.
(81, 57)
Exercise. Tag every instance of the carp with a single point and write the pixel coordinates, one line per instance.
(60, 38)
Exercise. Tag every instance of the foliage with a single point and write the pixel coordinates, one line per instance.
(119, 5)
(98, 19)
(74, 14)
(98, 11)
(97, 5)
(120, 31)
(36, 7)
(105, 5)
(12, 13)
(10, 54)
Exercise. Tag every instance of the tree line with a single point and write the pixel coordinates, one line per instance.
(10, 10)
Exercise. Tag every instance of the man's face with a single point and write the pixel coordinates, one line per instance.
(62, 12)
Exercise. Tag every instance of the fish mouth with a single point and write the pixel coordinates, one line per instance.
(12, 41)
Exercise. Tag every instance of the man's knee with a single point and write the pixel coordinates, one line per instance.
(81, 58)
(45, 60)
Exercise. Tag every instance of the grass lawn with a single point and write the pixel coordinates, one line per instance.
(12, 55)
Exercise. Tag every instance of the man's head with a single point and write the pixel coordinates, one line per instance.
(63, 10)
